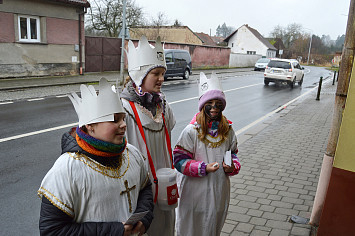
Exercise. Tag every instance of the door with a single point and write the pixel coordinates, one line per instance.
(170, 65)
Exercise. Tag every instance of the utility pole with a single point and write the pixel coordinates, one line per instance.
(340, 100)
(309, 50)
(123, 31)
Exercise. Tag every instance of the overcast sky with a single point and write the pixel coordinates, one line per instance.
(328, 17)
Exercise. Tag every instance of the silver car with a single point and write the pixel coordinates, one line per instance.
(261, 64)
(284, 70)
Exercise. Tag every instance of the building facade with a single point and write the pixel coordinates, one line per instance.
(41, 37)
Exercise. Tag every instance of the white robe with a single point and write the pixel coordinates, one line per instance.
(90, 192)
(204, 201)
(164, 221)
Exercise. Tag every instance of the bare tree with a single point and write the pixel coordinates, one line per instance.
(288, 35)
(105, 17)
(161, 20)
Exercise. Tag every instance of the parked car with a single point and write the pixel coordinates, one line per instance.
(261, 63)
(284, 70)
(178, 63)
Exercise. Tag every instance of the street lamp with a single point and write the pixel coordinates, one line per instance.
(310, 46)
(123, 32)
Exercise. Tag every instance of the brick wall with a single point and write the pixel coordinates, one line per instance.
(7, 32)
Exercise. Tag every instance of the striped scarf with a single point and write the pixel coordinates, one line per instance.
(98, 147)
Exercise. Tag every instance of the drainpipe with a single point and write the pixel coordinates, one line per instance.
(81, 12)
(340, 100)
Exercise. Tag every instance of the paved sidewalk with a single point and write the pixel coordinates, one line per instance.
(281, 161)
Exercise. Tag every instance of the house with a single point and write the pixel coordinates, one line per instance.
(41, 37)
(247, 46)
(207, 40)
(247, 40)
(281, 52)
(173, 34)
(219, 40)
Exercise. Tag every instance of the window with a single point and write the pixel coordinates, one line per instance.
(280, 64)
(29, 30)
(251, 52)
(169, 57)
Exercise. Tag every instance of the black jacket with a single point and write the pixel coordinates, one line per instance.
(53, 221)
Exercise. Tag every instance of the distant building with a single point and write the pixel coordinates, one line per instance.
(281, 52)
(219, 40)
(41, 37)
(246, 40)
(247, 46)
(207, 40)
(174, 34)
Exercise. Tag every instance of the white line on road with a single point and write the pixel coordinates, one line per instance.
(226, 91)
(229, 90)
(61, 96)
(3, 103)
(34, 99)
(38, 132)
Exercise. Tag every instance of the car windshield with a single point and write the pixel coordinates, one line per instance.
(263, 60)
(280, 64)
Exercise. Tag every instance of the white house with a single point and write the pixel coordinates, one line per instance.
(247, 46)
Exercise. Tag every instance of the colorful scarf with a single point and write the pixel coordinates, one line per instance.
(98, 147)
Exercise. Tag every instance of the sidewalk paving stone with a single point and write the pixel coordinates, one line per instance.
(281, 161)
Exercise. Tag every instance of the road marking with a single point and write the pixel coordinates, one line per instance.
(272, 112)
(38, 132)
(170, 103)
(307, 71)
(61, 96)
(35, 99)
(3, 103)
(226, 91)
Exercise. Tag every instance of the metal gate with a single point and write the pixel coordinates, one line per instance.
(102, 54)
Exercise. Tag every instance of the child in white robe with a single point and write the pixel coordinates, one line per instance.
(203, 184)
(146, 68)
(99, 181)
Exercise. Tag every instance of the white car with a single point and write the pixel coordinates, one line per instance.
(284, 70)
(261, 64)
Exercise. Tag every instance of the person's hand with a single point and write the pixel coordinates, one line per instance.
(228, 169)
(127, 230)
(212, 167)
(139, 229)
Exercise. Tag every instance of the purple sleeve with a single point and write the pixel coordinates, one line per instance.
(236, 164)
(184, 164)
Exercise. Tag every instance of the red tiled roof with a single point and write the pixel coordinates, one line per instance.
(206, 38)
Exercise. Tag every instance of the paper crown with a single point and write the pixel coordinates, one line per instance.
(210, 89)
(93, 108)
(206, 84)
(144, 58)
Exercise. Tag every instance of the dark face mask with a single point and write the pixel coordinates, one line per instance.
(208, 109)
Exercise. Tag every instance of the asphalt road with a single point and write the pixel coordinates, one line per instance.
(25, 160)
